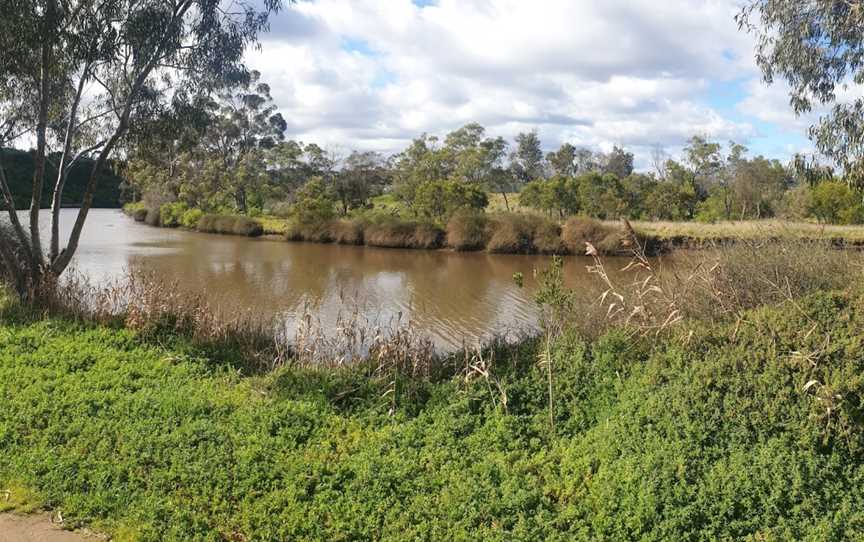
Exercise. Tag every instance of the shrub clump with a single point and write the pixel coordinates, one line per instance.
(511, 233)
(132, 207)
(171, 214)
(190, 218)
(546, 236)
(607, 239)
(230, 224)
(467, 230)
(347, 232)
(395, 233)
(313, 232)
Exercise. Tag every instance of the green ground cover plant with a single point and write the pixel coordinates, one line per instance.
(747, 430)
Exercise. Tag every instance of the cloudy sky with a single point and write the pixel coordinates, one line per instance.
(372, 74)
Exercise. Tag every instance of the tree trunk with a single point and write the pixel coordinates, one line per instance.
(63, 168)
(506, 203)
(41, 136)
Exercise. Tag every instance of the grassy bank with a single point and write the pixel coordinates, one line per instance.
(696, 232)
(748, 430)
(174, 215)
(497, 231)
(501, 233)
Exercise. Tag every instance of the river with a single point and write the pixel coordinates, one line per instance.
(452, 297)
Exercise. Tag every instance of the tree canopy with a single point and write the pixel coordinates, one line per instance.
(817, 48)
(76, 74)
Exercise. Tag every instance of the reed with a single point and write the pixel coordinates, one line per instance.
(467, 230)
(230, 224)
(396, 233)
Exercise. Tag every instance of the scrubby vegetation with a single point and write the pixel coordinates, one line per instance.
(743, 430)
(395, 233)
(231, 225)
(468, 230)
(307, 195)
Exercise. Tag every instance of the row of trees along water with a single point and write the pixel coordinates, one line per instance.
(228, 154)
(166, 91)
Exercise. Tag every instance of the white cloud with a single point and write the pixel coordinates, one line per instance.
(372, 74)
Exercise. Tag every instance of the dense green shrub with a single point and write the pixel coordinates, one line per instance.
(796, 204)
(467, 230)
(738, 431)
(230, 224)
(835, 202)
(313, 204)
(438, 200)
(132, 207)
(190, 218)
(559, 195)
(171, 214)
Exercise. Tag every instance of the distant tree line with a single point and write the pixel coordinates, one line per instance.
(20, 165)
(228, 154)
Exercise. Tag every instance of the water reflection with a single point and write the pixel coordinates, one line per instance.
(451, 296)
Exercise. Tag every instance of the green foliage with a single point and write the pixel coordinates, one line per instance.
(711, 210)
(816, 48)
(438, 200)
(797, 203)
(673, 199)
(19, 165)
(736, 432)
(132, 207)
(555, 195)
(313, 203)
(191, 218)
(171, 214)
(602, 196)
(835, 202)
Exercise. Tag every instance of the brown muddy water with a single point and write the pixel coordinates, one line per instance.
(453, 298)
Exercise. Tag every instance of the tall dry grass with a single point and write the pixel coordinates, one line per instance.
(230, 225)
(468, 230)
(160, 310)
(718, 283)
(396, 233)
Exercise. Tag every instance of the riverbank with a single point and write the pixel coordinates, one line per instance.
(522, 233)
(696, 234)
(496, 233)
(731, 431)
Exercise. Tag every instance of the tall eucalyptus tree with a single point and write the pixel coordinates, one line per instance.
(817, 48)
(79, 73)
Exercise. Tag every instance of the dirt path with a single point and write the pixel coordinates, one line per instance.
(35, 528)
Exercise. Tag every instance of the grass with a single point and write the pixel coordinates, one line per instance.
(273, 225)
(749, 229)
(737, 431)
(391, 232)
